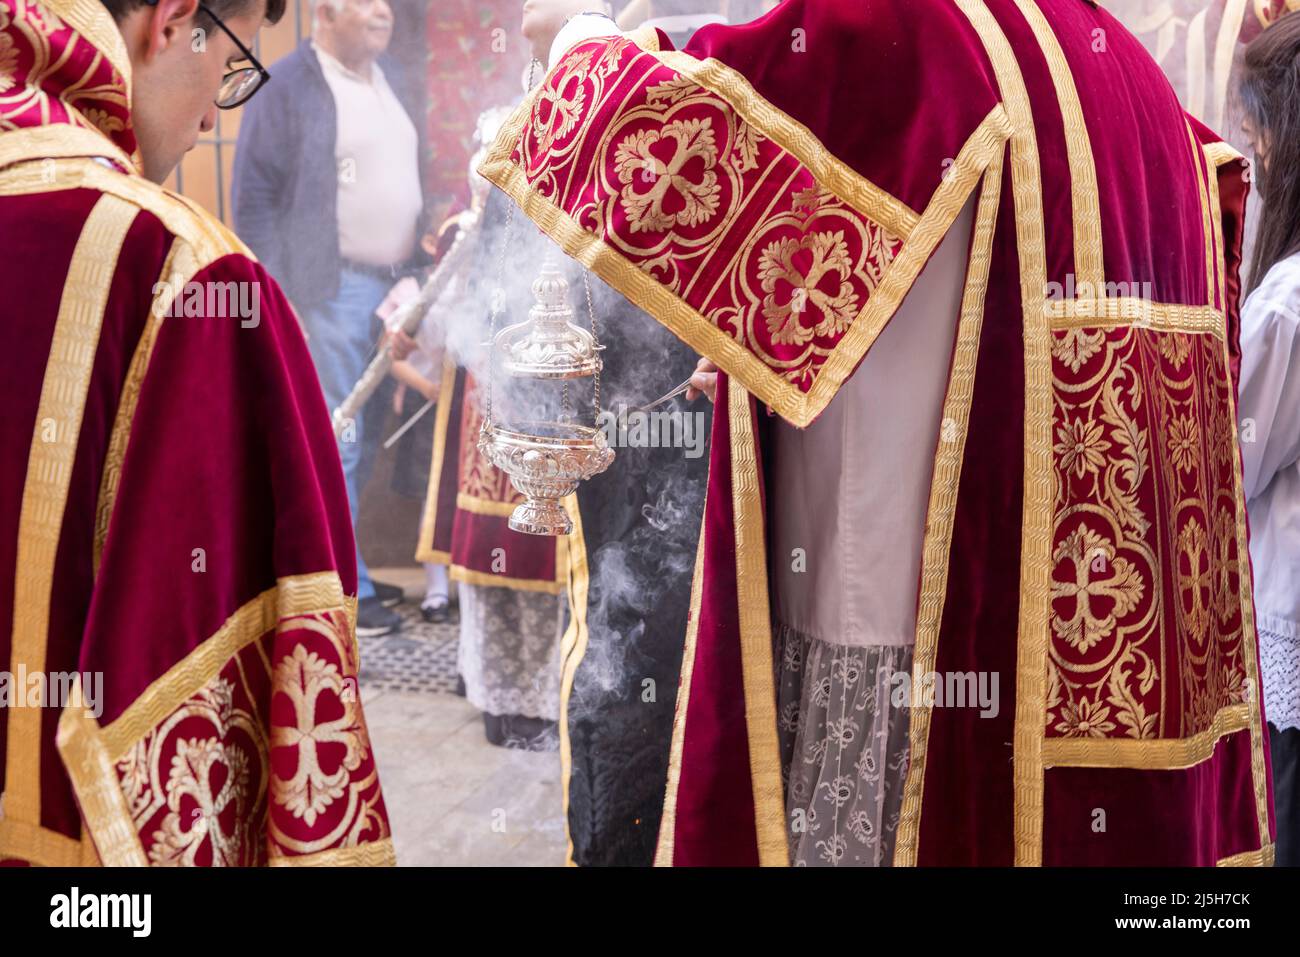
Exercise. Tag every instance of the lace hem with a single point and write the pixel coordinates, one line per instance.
(1279, 664)
(844, 748)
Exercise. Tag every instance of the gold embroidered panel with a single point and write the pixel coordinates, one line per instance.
(752, 254)
(267, 761)
(1146, 617)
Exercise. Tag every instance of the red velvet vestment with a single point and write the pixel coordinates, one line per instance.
(174, 527)
(1086, 535)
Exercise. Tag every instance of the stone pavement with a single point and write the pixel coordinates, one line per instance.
(453, 799)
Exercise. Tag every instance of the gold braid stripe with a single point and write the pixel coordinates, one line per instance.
(297, 595)
(755, 625)
(484, 506)
(471, 576)
(942, 511)
(1261, 858)
(1132, 312)
(573, 648)
(1207, 214)
(90, 752)
(38, 846)
(424, 551)
(179, 268)
(49, 473)
(1164, 754)
(1085, 198)
(1249, 637)
(103, 806)
(374, 854)
(668, 822)
(56, 142)
(1039, 489)
(1220, 153)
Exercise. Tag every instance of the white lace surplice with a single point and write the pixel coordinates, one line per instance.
(510, 650)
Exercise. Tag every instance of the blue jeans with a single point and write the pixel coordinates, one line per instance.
(341, 335)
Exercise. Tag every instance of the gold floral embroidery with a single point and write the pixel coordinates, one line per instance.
(1194, 579)
(1091, 555)
(692, 200)
(104, 121)
(1076, 347)
(561, 106)
(1176, 347)
(304, 677)
(8, 61)
(1085, 719)
(829, 259)
(1184, 443)
(1081, 447)
(1146, 613)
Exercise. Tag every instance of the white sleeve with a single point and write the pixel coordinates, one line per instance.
(584, 26)
(1268, 409)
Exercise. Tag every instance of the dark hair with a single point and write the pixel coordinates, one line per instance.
(1270, 96)
(120, 9)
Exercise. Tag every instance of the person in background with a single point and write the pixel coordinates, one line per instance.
(419, 383)
(327, 192)
(1269, 406)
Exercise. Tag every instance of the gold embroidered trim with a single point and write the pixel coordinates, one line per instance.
(691, 327)
(1207, 215)
(1130, 311)
(292, 596)
(181, 216)
(1085, 198)
(796, 139)
(424, 551)
(53, 142)
(37, 845)
(473, 577)
(49, 473)
(178, 269)
(372, 854)
(1039, 487)
(1261, 858)
(668, 822)
(90, 769)
(1220, 153)
(1216, 224)
(573, 648)
(93, 21)
(484, 506)
(942, 511)
(1163, 754)
(755, 625)
(1249, 637)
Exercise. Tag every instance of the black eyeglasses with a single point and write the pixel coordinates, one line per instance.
(238, 86)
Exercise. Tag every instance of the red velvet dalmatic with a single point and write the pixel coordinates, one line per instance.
(1087, 539)
(174, 527)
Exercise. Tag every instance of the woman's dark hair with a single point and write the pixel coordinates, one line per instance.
(1270, 97)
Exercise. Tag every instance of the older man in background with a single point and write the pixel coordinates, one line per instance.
(327, 192)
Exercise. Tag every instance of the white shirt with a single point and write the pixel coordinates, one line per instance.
(1269, 413)
(376, 146)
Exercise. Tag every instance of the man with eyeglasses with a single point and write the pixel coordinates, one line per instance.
(327, 192)
(178, 659)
